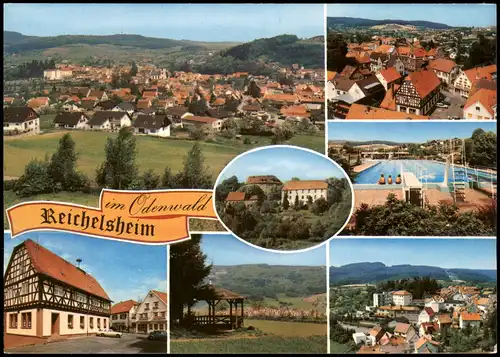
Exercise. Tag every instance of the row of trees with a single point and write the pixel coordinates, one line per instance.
(118, 171)
(33, 69)
(419, 287)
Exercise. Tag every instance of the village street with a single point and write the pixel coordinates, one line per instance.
(128, 343)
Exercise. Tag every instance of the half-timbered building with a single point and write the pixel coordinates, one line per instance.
(46, 297)
(419, 93)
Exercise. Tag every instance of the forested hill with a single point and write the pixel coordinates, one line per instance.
(356, 21)
(364, 273)
(258, 281)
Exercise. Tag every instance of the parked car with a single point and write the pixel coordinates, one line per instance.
(158, 335)
(442, 105)
(109, 333)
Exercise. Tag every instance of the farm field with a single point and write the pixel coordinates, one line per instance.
(10, 199)
(288, 329)
(264, 344)
(339, 348)
(153, 153)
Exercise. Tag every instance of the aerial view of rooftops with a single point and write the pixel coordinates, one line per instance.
(411, 61)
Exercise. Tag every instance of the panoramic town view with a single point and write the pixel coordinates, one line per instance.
(83, 93)
(402, 300)
(385, 62)
(61, 295)
(241, 299)
(437, 178)
(283, 197)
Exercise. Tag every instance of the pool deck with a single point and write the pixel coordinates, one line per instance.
(473, 198)
(364, 166)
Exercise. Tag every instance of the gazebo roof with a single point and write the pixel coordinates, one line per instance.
(224, 294)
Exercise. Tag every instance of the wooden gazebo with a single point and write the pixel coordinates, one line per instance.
(225, 321)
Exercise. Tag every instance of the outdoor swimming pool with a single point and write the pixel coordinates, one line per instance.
(433, 172)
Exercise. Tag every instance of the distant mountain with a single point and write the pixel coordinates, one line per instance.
(263, 280)
(360, 22)
(371, 142)
(11, 37)
(363, 273)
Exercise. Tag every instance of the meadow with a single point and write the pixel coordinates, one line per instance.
(152, 153)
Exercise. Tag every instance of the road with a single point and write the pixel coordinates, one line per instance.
(455, 109)
(129, 343)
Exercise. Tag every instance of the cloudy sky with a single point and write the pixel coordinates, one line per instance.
(124, 270)
(284, 163)
(198, 22)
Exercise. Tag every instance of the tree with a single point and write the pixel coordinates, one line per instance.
(319, 206)
(168, 179)
(188, 272)
(119, 170)
(62, 167)
(150, 180)
(213, 97)
(228, 185)
(296, 203)
(194, 173)
(286, 203)
(133, 70)
(35, 179)
(254, 90)
(336, 52)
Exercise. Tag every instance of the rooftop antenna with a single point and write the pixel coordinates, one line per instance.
(78, 261)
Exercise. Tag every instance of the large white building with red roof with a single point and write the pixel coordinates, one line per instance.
(121, 315)
(466, 79)
(46, 297)
(151, 314)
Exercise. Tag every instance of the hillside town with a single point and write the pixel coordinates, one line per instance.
(425, 325)
(397, 72)
(153, 101)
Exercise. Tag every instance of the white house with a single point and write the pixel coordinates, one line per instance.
(197, 121)
(302, 189)
(19, 120)
(466, 79)
(125, 107)
(473, 319)
(435, 304)
(481, 105)
(56, 74)
(156, 125)
(151, 314)
(76, 120)
(116, 120)
(426, 315)
(121, 315)
(388, 76)
(99, 123)
(338, 86)
(402, 297)
(446, 70)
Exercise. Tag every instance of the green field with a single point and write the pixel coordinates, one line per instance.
(339, 348)
(153, 153)
(288, 329)
(296, 302)
(10, 199)
(265, 344)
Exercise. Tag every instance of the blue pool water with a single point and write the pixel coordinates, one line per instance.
(433, 172)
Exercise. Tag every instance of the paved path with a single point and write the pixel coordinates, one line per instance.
(364, 166)
(455, 109)
(129, 343)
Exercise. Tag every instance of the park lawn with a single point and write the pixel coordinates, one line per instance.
(288, 328)
(340, 348)
(152, 153)
(92, 200)
(260, 344)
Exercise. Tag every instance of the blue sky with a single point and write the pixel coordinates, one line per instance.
(124, 270)
(477, 15)
(408, 131)
(225, 249)
(443, 253)
(199, 22)
(284, 163)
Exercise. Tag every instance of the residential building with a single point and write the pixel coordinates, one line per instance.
(444, 321)
(57, 74)
(406, 331)
(466, 79)
(426, 344)
(197, 121)
(445, 69)
(426, 315)
(75, 120)
(472, 319)
(388, 77)
(481, 105)
(155, 125)
(240, 197)
(378, 61)
(419, 93)
(116, 120)
(125, 107)
(266, 182)
(46, 297)
(39, 103)
(402, 298)
(382, 299)
(339, 86)
(151, 313)
(395, 61)
(20, 120)
(302, 189)
(121, 315)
